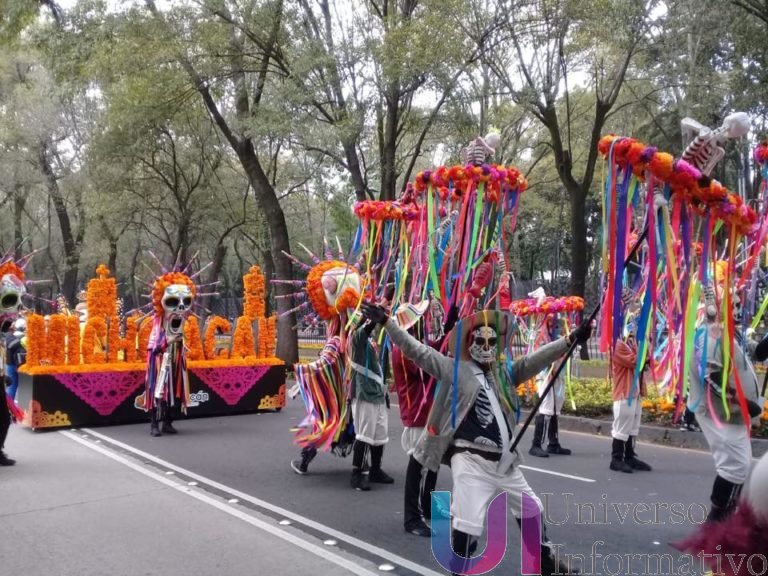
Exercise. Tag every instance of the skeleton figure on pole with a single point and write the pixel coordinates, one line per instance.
(477, 151)
(728, 438)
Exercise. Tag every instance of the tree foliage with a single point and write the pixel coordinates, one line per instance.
(233, 131)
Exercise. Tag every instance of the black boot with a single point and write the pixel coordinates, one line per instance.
(5, 461)
(358, 481)
(463, 546)
(538, 437)
(301, 466)
(631, 458)
(430, 481)
(412, 520)
(617, 457)
(154, 429)
(554, 438)
(167, 427)
(377, 475)
(725, 496)
(551, 565)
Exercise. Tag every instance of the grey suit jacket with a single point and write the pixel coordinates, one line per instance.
(439, 432)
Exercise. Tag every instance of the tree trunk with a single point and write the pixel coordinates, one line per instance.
(19, 199)
(287, 343)
(389, 149)
(71, 244)
(579, 248)
(112, 240)
(182, 241)
(355, 172)
(269, 271)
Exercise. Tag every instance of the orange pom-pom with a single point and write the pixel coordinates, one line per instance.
(661, 165)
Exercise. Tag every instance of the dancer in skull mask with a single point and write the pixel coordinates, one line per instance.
(478, 449)
(728, 439)
(166, 392)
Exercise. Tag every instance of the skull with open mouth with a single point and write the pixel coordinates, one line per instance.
(11, 292)
(177, 304)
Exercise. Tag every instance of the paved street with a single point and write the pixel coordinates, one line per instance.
(116, 501)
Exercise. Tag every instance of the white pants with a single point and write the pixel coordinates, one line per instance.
(626, 418)
(371, 423)
(731, 448)
(476, 483)
(410, 439)
(553, 402)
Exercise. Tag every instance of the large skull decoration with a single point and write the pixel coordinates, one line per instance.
(11, 292)
(177, 304)
(333, 288)
(337, 281)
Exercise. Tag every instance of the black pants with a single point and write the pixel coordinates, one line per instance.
(5, 420)
(418, 497)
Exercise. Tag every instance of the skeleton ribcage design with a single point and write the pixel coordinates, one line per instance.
(483, 408)
(700, 151)
(474, 154)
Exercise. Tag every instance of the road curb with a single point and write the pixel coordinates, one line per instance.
(648, 433)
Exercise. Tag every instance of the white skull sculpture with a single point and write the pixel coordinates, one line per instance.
(177, 304)
(11, 292)
(338, 280)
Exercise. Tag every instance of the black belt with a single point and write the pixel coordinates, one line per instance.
(492, 456)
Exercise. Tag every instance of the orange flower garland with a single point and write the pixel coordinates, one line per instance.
(262, 347)
(56, 339)
(94, 338)
(214, 324)
(35, 339)
(141, 366)
(101, 297)
(243, 344)
(254, 294)
(348, 298)
(683, 178)
(10, 267)
(73, 340)
(548, 305)
(192, 340)
(163, 282)
(125, 345)
(113, 339)
(272, 338)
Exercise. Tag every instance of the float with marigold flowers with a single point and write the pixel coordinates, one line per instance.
(99, 371)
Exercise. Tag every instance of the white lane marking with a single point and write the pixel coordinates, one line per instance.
(381, 552)
(237, 513)
(572, 477)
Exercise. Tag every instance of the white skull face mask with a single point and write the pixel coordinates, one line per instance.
(177, 304)
(482, 345)
(11, 291)
(737, 310)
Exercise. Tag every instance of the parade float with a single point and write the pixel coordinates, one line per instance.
(93, 372)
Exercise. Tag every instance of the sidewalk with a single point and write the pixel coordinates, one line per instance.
(71, 511)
